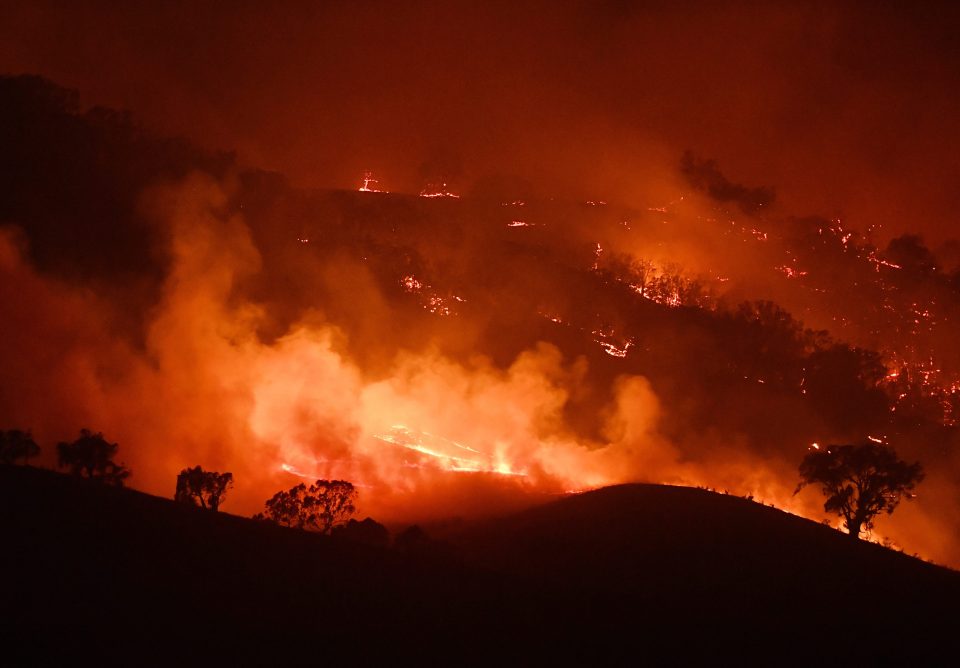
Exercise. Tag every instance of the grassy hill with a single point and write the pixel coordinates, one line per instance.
(630, 573)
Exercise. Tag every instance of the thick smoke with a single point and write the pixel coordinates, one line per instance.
(207, 390)
(423, 435)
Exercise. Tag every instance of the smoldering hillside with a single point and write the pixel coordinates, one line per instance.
(454, 355)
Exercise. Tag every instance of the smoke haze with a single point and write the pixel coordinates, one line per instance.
(847, 108)
(466, 356)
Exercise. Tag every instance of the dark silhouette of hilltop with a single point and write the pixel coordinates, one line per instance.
(636, 572)
(654, 552)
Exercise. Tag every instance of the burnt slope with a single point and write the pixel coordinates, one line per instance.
(637, 571)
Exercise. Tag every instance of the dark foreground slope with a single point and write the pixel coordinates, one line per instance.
(632, 573)
(734, 575)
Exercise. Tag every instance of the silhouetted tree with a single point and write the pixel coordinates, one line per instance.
(206, 489)
(319, 507)
(16, 444)
(911, 254)
(91, 456)
(367, 532)
(859, 481)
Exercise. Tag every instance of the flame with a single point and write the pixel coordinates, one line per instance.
(433, 190)
(415, 429)
(369, 184)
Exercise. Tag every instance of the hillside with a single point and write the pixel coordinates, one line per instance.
(198, 310)
(634, 572)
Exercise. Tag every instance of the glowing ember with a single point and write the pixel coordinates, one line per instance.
(615, 351)
(370, 184)
(790, 272)
(880, 262)
(433, 302)
(411, 284)
(434, 190)
(552, 318)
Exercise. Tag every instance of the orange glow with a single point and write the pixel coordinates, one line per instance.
(433, 190)
(425, 430)
(552, 298)
(370, 184)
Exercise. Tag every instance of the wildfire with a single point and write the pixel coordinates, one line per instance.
(434, 190)
(445, 453)
(411, 284)
(429, 299)
(790, 272)
(615, 351)
(880, 262)
(552, 318)
(598, 251)
(370, 184)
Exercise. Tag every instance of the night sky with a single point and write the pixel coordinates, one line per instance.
(847, 109)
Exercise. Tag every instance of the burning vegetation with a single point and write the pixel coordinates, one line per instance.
(453, 358)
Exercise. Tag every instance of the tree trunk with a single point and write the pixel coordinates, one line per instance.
(853, 527)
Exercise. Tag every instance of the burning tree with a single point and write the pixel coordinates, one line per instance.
(859, 481)
(205, 489)
(369, 183)
(16, 444)
(320, 507)
(91, 456)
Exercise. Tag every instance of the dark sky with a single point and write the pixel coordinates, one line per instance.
(847, 109)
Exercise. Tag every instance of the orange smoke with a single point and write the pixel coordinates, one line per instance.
(424, 436)
(206, 390)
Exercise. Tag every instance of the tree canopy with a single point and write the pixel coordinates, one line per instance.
(319, 507)
(16, 444)
(859, 481)
(367, 532)
(91, 456)
(205, 489)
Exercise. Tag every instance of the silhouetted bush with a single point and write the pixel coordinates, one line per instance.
(16, 444)
(367, 532)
